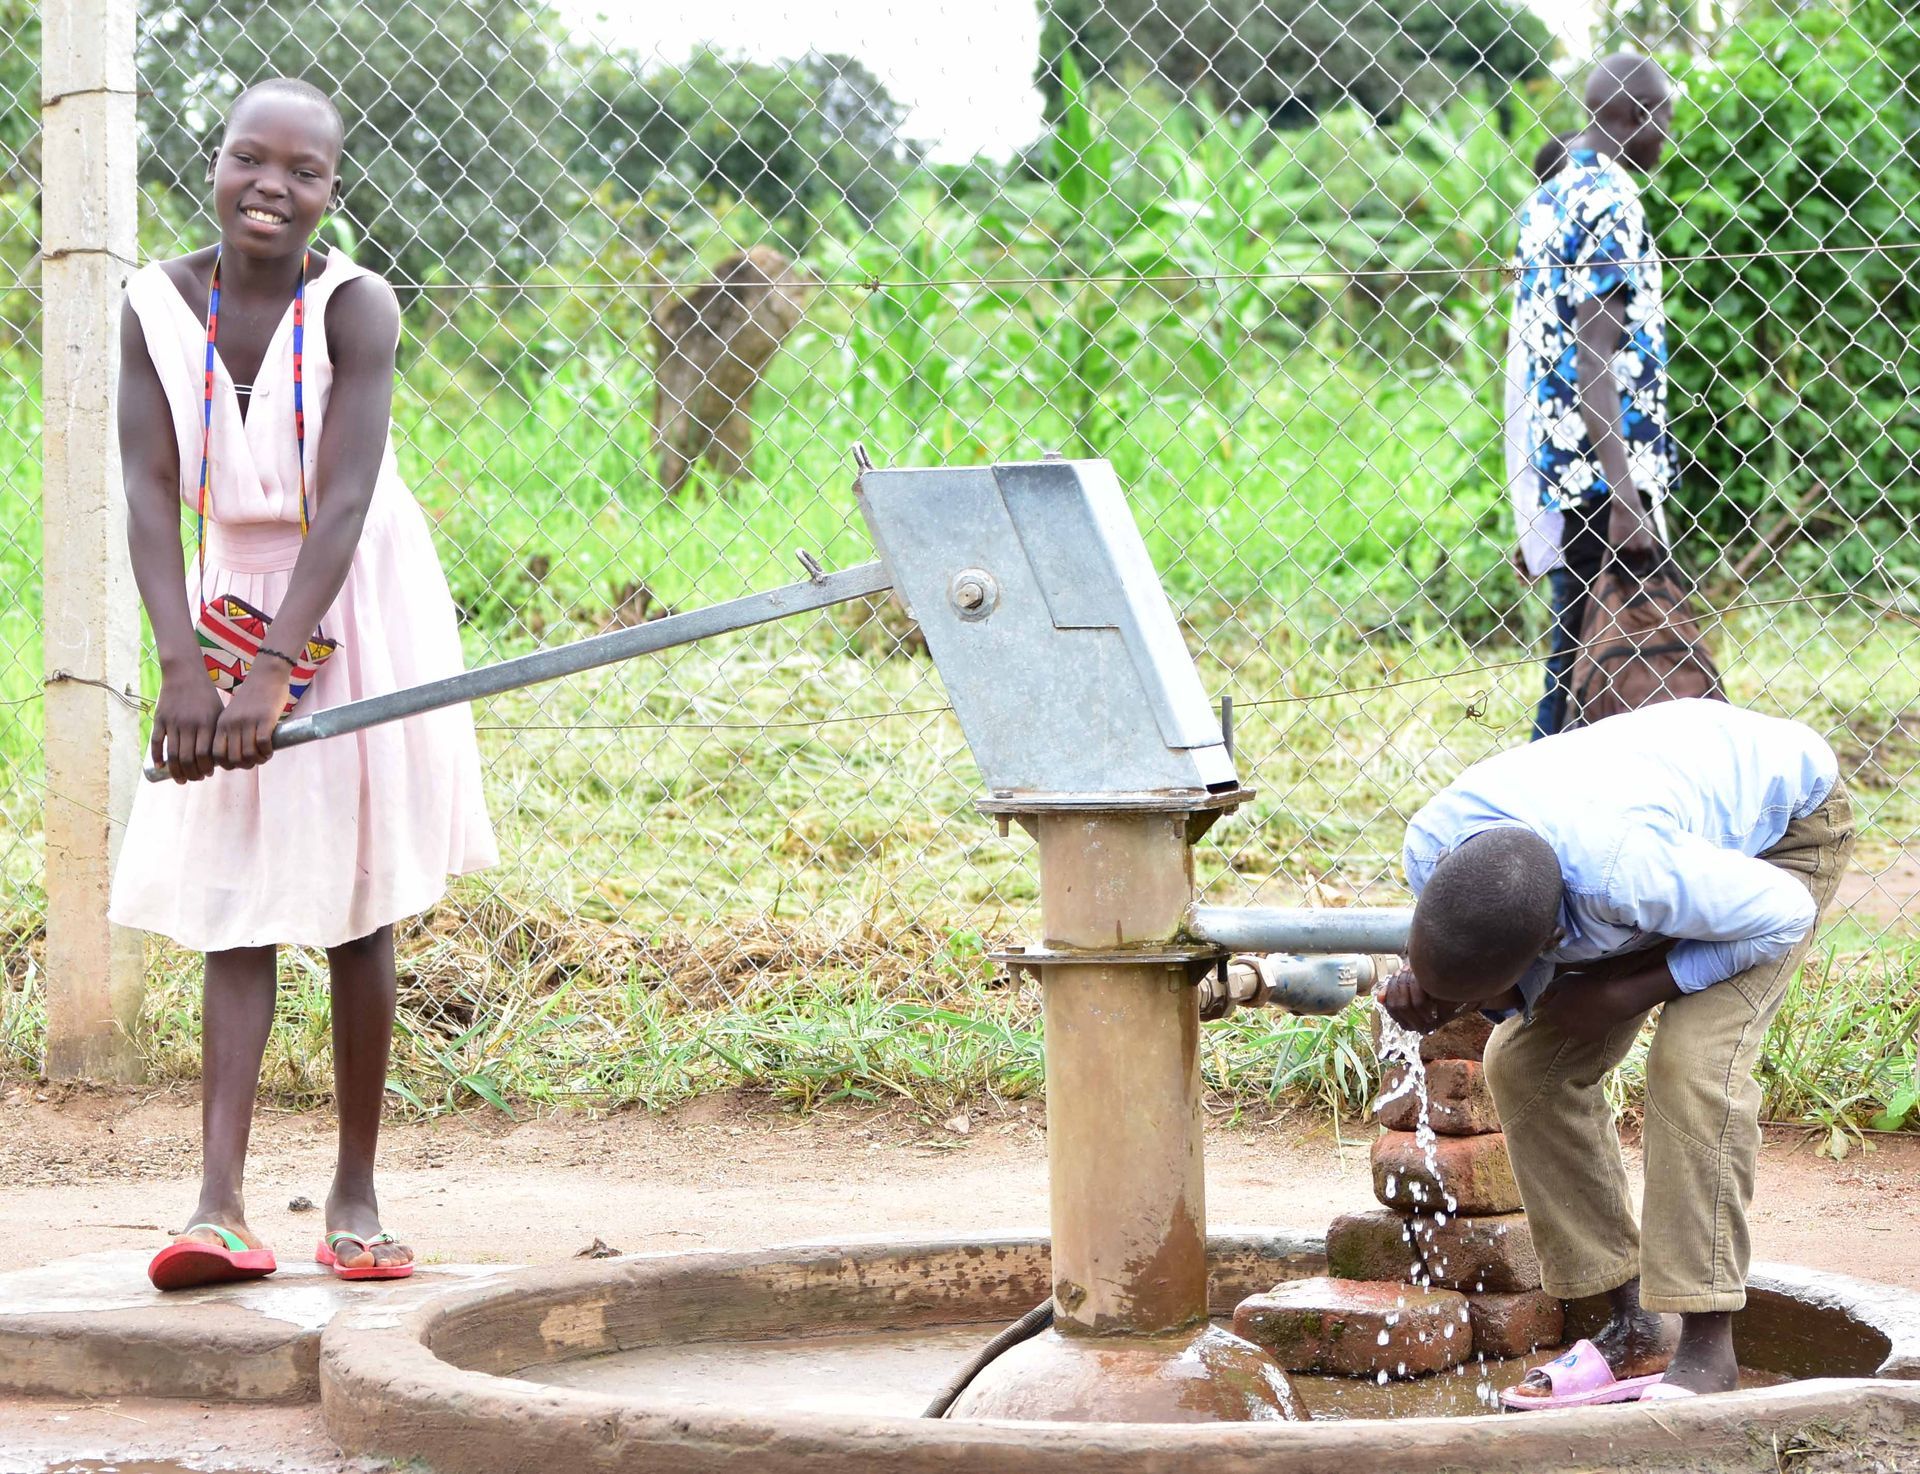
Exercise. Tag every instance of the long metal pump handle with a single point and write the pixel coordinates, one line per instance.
(564, 660)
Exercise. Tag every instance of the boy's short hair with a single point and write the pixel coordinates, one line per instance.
(1487, 912)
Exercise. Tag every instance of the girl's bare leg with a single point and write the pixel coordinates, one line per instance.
(363, 1003)
(236, 1018)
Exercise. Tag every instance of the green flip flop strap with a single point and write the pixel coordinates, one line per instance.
(383, 1237)
(233, 1241)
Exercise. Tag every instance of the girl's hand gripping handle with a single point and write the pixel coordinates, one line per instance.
(184, 721)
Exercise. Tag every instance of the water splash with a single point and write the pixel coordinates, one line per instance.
(1402, 1047)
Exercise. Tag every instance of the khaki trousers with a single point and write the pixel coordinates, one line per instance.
(1702, 1121)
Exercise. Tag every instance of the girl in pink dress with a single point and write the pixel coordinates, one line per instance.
(256, 385)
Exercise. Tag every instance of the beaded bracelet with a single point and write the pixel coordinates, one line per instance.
(279, 655)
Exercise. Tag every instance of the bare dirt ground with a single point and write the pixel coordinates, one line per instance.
(84, 1171)
(1889, 893)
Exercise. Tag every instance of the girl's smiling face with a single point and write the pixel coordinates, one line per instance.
(274, 174)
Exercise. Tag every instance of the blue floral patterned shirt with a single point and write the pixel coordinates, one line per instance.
(1583, 235)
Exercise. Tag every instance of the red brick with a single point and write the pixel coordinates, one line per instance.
(1513, 1325)
(1371, 1246)
(1462, 1038)
(1474, 1172)
(1488, 1253)
(1458, 1102)
(1335, 1326)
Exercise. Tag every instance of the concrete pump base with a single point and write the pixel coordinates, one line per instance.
(1207, 1375)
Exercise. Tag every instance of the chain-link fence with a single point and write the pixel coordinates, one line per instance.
(20, 661)
(1255, 254)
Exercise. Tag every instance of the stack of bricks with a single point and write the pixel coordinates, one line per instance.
(1417, 1286)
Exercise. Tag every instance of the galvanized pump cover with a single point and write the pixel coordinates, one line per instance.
(1047, 621)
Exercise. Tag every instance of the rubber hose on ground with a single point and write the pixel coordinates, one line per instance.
(1029, 1325)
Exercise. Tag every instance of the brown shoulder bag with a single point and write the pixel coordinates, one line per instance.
(1642, 643)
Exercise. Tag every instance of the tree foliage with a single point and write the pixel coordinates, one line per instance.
(19, 91)
(1794, 371)
(799, 140)
(1296, 61)
(452, 163)
(475, 133)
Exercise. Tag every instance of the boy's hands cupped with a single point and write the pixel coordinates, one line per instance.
(184, 721)
(244, 737)
(1412, 1007)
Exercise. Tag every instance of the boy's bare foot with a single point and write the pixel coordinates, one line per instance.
(1635, 1342)
(359, 1215)
(1704, 1360)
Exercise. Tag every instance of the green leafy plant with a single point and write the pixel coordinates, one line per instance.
(1795, 372)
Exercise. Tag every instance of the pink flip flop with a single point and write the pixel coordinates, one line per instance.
(1581, 1378)
(1664, 1391)
(327, 1253)
(187, 1265)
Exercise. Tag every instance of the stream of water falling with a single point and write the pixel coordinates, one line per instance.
(1402, 1047)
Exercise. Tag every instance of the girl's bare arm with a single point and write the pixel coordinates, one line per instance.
(189, 707)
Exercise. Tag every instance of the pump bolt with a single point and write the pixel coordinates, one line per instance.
(973, 592)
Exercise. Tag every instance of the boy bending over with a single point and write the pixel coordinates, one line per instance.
(1676, 857)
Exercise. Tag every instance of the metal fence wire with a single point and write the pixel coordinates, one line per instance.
(1254, 253)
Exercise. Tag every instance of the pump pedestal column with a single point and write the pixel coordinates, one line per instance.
(1131, 1341)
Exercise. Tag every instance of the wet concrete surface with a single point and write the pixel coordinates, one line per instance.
(898, 1373)
(93, 1326)
(300, 1293)
(139, 1466)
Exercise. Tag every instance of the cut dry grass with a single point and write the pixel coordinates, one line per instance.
(564, 1011)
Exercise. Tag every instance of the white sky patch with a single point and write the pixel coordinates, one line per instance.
(962, 68)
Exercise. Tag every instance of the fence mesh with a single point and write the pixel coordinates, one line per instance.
(20, 665)
(1255, 254)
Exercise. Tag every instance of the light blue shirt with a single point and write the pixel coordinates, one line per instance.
(1657, 816)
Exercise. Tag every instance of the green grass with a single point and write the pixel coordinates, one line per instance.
(1335, 482)
(682, 909)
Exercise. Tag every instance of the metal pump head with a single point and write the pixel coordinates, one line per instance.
(1044, 614)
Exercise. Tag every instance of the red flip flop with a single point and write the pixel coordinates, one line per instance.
(327, 1252)
(187, 1266)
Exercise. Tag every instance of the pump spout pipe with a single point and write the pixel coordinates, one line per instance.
(1326, 984)
(1300, 930)
(1303, 961)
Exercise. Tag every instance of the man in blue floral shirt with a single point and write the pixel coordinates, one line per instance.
(1589, 321)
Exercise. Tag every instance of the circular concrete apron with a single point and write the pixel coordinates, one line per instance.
(438, 1382)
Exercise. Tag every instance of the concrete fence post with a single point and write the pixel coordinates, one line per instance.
(89, 200)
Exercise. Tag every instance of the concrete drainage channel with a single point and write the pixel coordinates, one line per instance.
(92, 1327)
(574, 1367)
(820, 1357)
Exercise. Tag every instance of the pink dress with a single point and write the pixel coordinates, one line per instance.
(324, 843)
